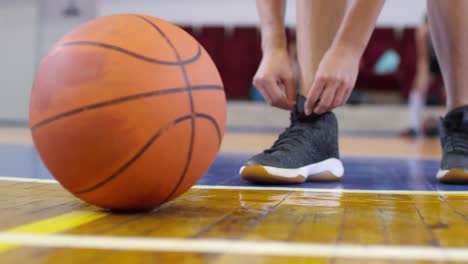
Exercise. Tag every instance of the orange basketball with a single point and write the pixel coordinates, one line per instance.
(127, 112)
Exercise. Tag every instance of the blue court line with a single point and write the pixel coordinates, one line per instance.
(13, 123)
(360, 173)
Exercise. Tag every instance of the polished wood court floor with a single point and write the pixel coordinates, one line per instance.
(374, 216)
(309, 219)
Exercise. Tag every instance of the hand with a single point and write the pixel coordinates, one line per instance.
(275, 79)
(334, 81)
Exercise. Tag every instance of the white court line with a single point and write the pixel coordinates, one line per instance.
(272, 188)
(221, 246)
(324, 190)
(21, 179)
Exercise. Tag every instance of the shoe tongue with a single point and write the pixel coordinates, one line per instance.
(458, 118)
(299, 113)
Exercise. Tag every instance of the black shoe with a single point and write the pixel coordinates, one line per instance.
(306, 151)
(409, 133)
(454, 138)
(431, 127)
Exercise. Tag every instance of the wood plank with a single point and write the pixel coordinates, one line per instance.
(80, 256)
(448, 226)
(254, 206)
(325, 218)
(194, 215)
(299, 218)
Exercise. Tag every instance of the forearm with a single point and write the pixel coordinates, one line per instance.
(271, 13)
(358, 25)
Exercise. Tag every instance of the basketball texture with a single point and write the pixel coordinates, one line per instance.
(127, 112)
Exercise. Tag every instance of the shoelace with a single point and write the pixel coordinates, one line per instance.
(456, 138)
(292, 134)
(457, 141)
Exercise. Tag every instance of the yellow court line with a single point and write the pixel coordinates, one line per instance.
(53, 225)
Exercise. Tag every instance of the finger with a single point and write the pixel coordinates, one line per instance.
(340, 96)
(326, 99)
(313, 95)
(349, 91)
(260, 88)
(276, 94)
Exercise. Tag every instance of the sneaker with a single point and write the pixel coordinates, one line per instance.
(454, 139)
(409, 133)
(431, 127)
(306, 151)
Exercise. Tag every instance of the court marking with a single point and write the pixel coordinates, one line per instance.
(325, 190)
(30, 180)
(274, 188)
(51, 225)
(222, 246)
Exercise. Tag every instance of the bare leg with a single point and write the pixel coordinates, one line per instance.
(448, 23)
(417, 98)
(290, 161)
(317, 24)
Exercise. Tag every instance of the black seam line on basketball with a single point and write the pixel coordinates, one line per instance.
(136, 156)
(187, 162)
(123, 100)
(176, 53)
(192, 107)
(213, 121)
(133, 54)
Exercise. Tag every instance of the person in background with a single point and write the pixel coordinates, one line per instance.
(427, 69)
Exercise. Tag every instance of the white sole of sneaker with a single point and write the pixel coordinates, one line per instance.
(327, 170)
(452, 176)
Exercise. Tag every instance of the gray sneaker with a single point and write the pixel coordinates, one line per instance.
(454, 140)
(306, 151)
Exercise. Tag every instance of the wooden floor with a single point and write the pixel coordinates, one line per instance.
(317, 226)
(40, 222)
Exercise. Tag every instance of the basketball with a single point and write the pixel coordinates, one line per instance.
(127, 112)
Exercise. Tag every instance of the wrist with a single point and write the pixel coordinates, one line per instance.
(347, 49)
(274, 40)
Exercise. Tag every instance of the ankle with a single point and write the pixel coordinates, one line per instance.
(455, 106)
